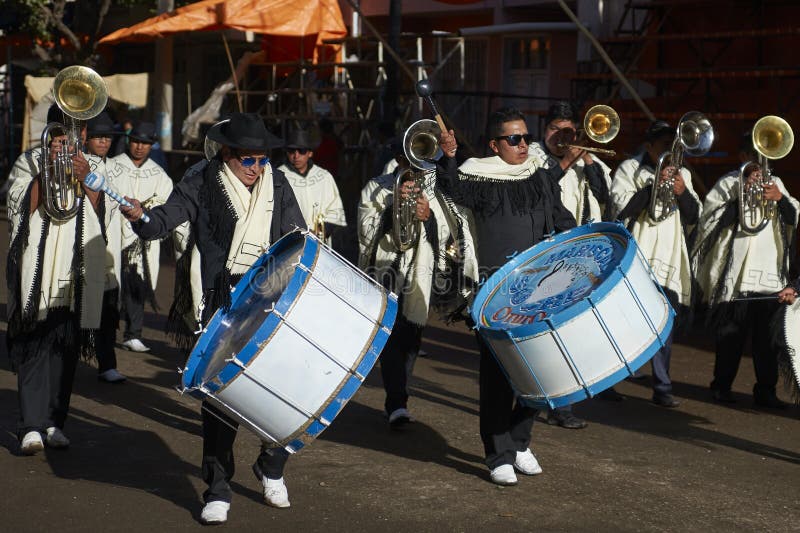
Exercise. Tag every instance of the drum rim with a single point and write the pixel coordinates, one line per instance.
(573, 310)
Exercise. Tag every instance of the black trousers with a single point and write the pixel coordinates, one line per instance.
(218, 467)
(133, 306)
(738, 320)
(397, 362)
(45, 373)
(106, 337)
(505, 424)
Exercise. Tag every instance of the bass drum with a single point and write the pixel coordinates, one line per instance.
(573, 315)
(304, 329)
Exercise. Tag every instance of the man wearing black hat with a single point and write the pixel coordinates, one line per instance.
(141, 177)
(236, 203)
(99, 133)
(313, 186)
(731, 263)
(662, 243)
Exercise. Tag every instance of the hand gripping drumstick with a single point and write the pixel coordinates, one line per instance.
(97, 182)
(425, 91)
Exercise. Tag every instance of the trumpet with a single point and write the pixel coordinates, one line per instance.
(81, 94)
(772, 139)
(421, 146)
(600, 124)
(694, 137)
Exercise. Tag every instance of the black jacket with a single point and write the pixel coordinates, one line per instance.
(510, 217)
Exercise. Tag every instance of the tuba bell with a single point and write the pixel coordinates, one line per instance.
(600, 124)
(421, 148)
(772, 139)
(694, 136)
(81, 94)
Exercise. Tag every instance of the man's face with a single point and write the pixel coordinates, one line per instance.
(247, 165)
(299, 157)
(139, 151)
(513, 155)
(56, 144)
(659, 146)
(559, 131)
(98, 146)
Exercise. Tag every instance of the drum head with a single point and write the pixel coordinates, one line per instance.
(549, 279)
(267, 281)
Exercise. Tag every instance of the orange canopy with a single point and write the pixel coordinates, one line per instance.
(295, 18)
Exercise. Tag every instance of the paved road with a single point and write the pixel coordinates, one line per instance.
(133, 464)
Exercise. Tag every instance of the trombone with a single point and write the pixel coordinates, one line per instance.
(600, 124)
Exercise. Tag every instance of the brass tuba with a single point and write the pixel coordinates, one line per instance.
(694, 136)
(772, 139)
(421, 148)
(81, 94)
(600, 124)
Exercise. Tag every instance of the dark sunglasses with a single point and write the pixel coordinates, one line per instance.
(301, 151)
(250, 161)
(513, 140)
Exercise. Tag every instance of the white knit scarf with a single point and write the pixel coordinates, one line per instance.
(495, 169)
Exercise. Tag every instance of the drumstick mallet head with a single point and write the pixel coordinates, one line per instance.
(424, 90)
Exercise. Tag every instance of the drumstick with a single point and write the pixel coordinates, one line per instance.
(755, 298)
(425, 91)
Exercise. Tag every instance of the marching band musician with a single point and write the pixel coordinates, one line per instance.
(585, 184)
(142, 178)
(313, 186)
(56, 277)
(237, 204)
(99, 132)
(584, 192)
(662, 243)
(515, 204)
(731, 263)
(431, 272)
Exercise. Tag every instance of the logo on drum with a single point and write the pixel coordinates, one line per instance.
(552, 281)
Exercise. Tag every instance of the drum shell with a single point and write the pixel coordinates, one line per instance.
(590, 346)
(309, 356)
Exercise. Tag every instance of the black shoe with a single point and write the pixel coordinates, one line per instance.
(568, 420)
(611, 395)
(666, 400)
(769, 401)
(723, 396)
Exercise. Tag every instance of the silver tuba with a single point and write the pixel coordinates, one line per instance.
(81, 94)
(694, 137)
(772, 139)
(421, 148)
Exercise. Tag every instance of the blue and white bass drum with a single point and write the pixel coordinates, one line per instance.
(573, 315)
(304, 329)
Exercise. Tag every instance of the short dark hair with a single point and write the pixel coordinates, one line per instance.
(496, 120)
(562, 110)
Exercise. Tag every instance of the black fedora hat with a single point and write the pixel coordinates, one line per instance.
(144, 132)
(658, 129)
(100, 126)
(244, 131)
(297, 138)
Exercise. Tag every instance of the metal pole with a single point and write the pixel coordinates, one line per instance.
(164, 65)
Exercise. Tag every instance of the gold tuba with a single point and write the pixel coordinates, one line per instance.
(81, 94)
(772, 139)
(421, 148)
(694, 137)
(601, 124)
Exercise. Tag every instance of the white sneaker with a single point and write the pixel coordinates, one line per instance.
(111, 376)
(55, 438)
(527, 464)
(215, 512)
(31, 443)
(400, 417)
(504, 475)
(135, 345)
(275, 492)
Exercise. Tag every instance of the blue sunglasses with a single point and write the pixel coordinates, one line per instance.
(250, 161)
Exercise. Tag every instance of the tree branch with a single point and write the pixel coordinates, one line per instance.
(55, 17)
